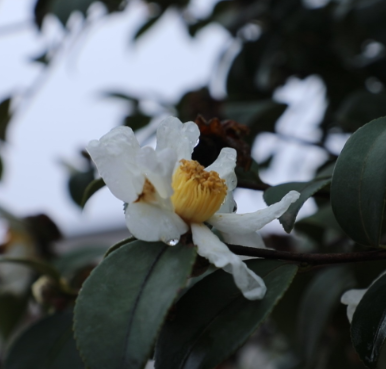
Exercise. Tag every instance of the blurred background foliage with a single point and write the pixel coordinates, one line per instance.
(340, 41)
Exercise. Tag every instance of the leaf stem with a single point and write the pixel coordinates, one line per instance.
(308, 258)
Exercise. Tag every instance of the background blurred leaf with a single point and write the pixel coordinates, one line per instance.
(368, 328)
(213, 318)
(359, 108)
(48, 344)
(5, 117)
(70, 262)
(259, 116)
(358, 189)
(126, 299)
(79, 182)
(320, 298)
(38, 265)
(12, 309)
(146, 26)
(306, 189)
(91, 188)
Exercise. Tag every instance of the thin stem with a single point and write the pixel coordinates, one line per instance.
(312, 259)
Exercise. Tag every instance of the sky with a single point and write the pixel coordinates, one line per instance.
(58, 112)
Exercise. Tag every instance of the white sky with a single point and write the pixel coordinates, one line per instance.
(66, 110)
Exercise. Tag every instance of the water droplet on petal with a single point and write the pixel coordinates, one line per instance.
(172, 242)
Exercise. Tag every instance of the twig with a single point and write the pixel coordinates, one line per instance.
(309, 258)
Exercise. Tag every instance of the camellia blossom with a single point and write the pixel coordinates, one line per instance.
(169, 194)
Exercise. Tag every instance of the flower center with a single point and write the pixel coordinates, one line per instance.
(197, 194)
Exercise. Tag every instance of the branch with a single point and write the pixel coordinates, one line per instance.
(312, 259)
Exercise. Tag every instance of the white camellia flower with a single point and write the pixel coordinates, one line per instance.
(169, 194)
(353, 297)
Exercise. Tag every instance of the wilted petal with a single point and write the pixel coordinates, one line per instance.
(252, 239)
(114, 155)
(352, 298)
(158, 167)
(210, 247)
(252, 222)
(181, 137)
(224, 165)
(150, 222)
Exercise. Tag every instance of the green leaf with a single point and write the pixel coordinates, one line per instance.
(360, 107)
(358, 189)
(125, 300)
(5, 117)
(146, 26)
(92, 187)
(70, 262)
(12, 309)
(251, 176)
(48, 344)
(368, 328)
(306, 189)
(1, 168)
(315, 309)
(118, 245)
(79, 183)
(213, 318)
(259, 116)
(316, 224)
(137, 121)
(40, 266)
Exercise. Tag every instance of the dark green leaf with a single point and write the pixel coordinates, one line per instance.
(213, 318)
(358, 189)
(1, 168)
(306, 189)
(72, 261)
(118, 245)
(125, 301)
(360, 107)
(368, 328)
(48, 344)
(259, 116)
(5, 117)
(137, 121)
(250, 177)
(78, 185)
(146, 26)
(38, 265)
(316, 307)
(92, 187)
(316, 224)
(12, 309)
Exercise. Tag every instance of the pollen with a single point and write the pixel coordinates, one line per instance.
(198, 194)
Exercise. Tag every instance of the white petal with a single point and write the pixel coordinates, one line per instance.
(178, 136)
(252, 222)
(352, 298)
(158, 167)
(114, 155)
(210, 247)
(225, 165)
(149, 222)
(252, 239)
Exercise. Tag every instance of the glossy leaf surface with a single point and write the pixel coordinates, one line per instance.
(213, 318)
(126, 299)
(358, 189)
(368, 328)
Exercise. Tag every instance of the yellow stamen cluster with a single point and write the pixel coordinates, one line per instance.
(197, 194)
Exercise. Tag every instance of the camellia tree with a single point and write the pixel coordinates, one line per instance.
(196, 280)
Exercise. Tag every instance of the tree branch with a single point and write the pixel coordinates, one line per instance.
(308, 258)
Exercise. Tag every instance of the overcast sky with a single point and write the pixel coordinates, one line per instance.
(56, 115)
